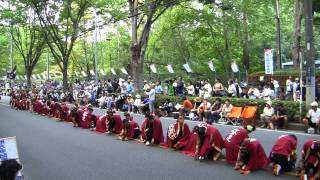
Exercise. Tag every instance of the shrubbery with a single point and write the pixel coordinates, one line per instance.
(292, 107)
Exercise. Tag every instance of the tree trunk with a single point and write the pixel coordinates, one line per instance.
(227, 49)
(136, 67)
(65, 76)
(28, 74)
(245, 50)
(296, 33)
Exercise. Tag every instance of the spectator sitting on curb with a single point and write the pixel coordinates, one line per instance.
(267, 115)
(312, 119)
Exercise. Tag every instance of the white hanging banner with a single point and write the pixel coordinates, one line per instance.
(76, 73)
(83, 74)
(153, 68)
(38, 76)
(25, 77)
(124, 71)
(234, 67)
(92, 73)
(268, 61)
(34, 76)
(113, 71)
(170, 69)
(102, 72)
(18, 78)
(187, 68)
(211, 66)
(43, 76)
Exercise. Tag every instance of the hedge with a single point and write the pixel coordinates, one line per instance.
(293, 108)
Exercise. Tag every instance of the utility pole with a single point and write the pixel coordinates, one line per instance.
(278, 35)
(95, 47)
(310, 81)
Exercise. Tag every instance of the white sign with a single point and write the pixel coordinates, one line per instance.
(153, 68)
(170, 69)
(187, 68)
(211, 66)
(113, 71)
(25, 77)
(234, 67)
(268, 61)
(124, 71)
(9, 150)
(102, 72)
(83, 74)
(34, 76)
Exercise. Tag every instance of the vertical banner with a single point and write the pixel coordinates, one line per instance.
(25, 77)
(76, 73)
(38, 76)
(187, 68)
(153, 68)
(102, 72)
(234, 67)
(17, 77)
(170, 69)
(113, 71)
(83, 74)
(268, 61)
(34, 76)
(124, 71)
(43, 75)
(9, 150)
(211, 66)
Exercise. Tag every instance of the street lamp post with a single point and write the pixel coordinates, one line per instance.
(310, 81)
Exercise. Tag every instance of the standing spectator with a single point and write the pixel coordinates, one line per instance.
(180, 87)
(207, 89)
(275, 86)
(130, 88)
(296, 89)
(197, 87)
(137, 104)
(152, 98)
(267, 115)
(281, 116)
(171, 88)
(218, 88)
(130, 101)
(159, 89)
(289, 88)
(232, 90)
(312, 120)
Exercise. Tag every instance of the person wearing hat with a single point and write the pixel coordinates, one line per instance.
(309, 166)
(312, 118)
(251, 156)
(283, 154)
(267, 115)
(233, 140)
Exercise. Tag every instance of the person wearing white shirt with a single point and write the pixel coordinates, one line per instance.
(268, 115)
(232, 90)
(312, 119)
(296, 89)
(253, 93)
(207, 89)
(203, 110)
(190, 89)
(152, 98)
(267, 93)
(276, 87)
(289, 88)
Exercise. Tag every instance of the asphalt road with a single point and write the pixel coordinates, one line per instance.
(51, 150)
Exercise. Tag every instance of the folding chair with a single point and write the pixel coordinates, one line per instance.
(248, 115)
(234, 116)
